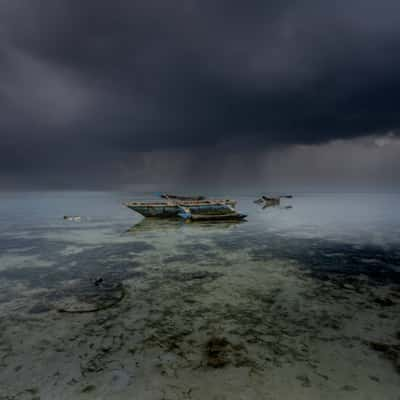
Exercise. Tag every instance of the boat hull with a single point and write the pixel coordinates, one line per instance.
(172, 209)
(167, 211)
(184, 198)
(218, 217)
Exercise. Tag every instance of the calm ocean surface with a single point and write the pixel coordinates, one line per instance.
(252, 283)
(316, 227)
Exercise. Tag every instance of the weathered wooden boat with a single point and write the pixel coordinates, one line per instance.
(184, 198)
(171, 209)
(214, 213)
(233, 216)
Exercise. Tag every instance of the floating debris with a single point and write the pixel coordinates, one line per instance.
(72, 217)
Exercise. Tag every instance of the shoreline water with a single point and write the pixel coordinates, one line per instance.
(228, 312)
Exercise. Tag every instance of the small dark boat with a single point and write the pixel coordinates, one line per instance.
(271, 200)
(184, 198)
(268, 201)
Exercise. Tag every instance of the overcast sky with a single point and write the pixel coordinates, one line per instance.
(107, 94)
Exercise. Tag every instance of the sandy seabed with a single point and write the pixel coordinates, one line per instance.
(201, 322)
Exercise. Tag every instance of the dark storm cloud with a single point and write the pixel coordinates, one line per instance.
(91, 82)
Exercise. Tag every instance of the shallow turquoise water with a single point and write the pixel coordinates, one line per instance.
(344, 233)
(295, 294)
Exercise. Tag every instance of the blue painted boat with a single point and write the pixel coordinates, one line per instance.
(214, 213)
(232, 216)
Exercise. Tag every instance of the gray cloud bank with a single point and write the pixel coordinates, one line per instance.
(101, 92)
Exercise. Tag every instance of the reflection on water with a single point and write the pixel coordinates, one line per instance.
(159, 225)
(156, 224)
(308, 295)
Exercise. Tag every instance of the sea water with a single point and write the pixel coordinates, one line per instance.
(299, 301)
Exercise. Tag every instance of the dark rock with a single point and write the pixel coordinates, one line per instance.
(39, 308)
(390, 352)
(384, 302)
(383, 316)
(98, 281)
(378, 346)
(349, 388)
(217, 348)
(88, 388)
(32, 391)
(193, 276)
(304, 379)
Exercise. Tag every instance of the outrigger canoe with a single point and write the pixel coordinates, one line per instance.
(171, 209)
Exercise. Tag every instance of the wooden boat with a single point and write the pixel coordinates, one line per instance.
(184, 198)
(171, 209)
(233, 216)
(215, 213)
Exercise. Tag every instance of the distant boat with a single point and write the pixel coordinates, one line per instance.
(184, 198)
(171, 208)
(268, 201)
(72, 217)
